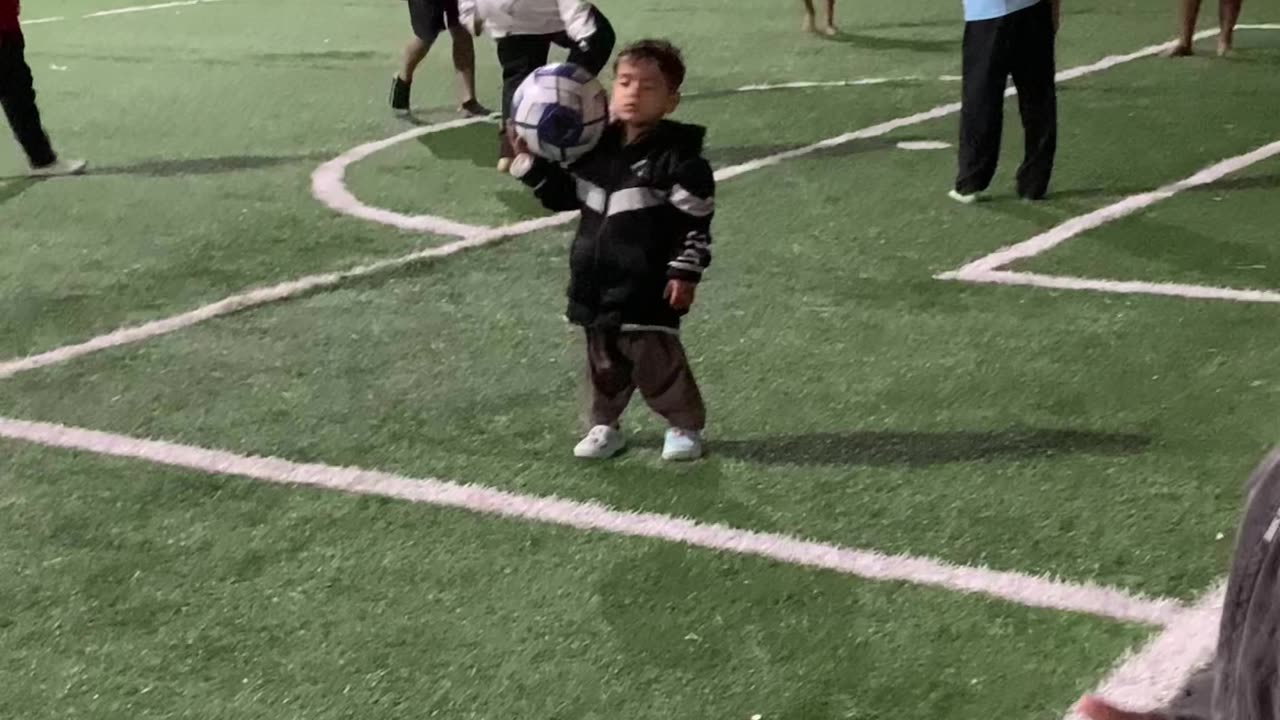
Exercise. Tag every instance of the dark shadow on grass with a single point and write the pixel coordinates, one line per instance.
(522, 202)
(942, 23)
(12, 188)
(477, 144)
(1257, 182)
(878, 42)
(321, 56)
(870, 448)
(208, 165)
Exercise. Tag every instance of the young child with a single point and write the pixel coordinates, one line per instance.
(429, 18)
(18, 97)
(525, 31)
(1228, 16)
(811, 24)
(647, 199)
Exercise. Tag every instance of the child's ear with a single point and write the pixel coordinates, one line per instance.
(673, 102)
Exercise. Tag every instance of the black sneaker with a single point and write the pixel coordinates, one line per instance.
(473, 108)
(399, 95)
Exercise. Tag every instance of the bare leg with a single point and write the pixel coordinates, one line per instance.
(464, 62)
(1187, 13)
(830, 29)
(808, 25)
(1228, 16)
(414, 53)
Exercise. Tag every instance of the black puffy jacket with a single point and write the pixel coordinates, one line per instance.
(646, 219)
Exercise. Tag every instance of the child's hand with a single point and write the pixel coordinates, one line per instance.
(680, 294)
(517, 143)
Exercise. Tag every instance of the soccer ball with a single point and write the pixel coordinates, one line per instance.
(560, 111)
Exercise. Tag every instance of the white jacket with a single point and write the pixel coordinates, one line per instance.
(529, 17)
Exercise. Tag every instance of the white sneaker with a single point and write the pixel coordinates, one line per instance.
(682, 445)
(601, 443)
(969, 199)
(60, 167)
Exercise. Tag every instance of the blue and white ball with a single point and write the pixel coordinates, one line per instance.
(560, 111)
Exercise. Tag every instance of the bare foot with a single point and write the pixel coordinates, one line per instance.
(808, 25)
(1095, 708)
(830, 31)
(1178, 51)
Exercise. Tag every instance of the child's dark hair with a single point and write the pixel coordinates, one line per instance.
(668, 57)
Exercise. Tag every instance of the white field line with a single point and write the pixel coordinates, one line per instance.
(806, 84)
(282, 291)
(328, 187)
(1151, 677)
(330, 190)
(921, 145)
(988, 269)
(147, 8)
(1089, 221)
(1121, 287)
(1013, 587)
(122, 11)
(328, 182)
(250, 299)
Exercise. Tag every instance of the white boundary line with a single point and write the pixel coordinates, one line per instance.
(1018, 588)
(805, 84)
(1153, 676)
(328, 187)
(292, 288)
(122, 11)
(1119, 287)
(988, 269)
(253, 298)
(328, 182)
(145, 8)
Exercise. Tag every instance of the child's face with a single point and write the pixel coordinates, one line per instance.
(641, 95)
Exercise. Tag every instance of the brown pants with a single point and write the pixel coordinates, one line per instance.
(654, 362)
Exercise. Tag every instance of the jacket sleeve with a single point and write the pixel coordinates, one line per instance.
(554, 186)
(576, 15)
(693, 197)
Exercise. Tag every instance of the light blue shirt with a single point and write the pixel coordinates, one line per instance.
(991, 9)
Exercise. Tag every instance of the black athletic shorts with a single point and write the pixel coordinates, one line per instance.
(432, 17)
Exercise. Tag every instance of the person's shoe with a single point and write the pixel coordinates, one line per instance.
(400, 96)
(473, 108)
(682, 445)
(830, 31)
(601, 443)
(1179, 50)
(59, 168)
(504, 165)
(967, 199)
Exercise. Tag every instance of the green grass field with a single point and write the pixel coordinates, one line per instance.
(855, 400)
